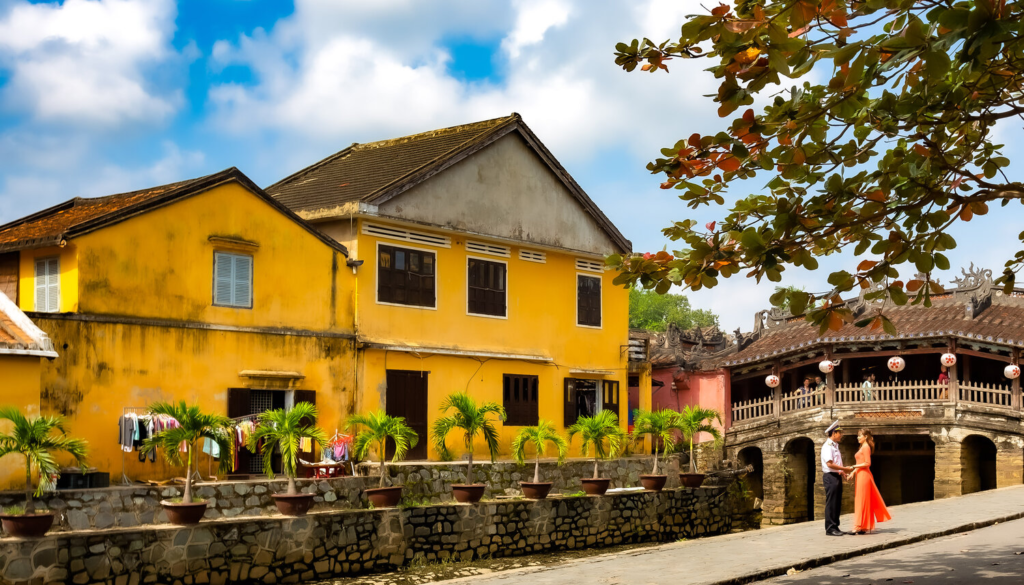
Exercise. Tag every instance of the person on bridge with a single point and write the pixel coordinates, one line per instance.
(868, 506)
(833, 474)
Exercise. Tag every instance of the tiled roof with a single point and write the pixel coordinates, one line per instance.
(377, 171)
(18, 335)
(79, 216)
(1002, 323)
(47, 227)
(362, 171)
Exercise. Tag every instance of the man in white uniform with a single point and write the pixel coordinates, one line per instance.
(833, 474)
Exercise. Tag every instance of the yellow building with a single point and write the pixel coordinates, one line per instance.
(207, 290)
(480, 268)
(23, 348)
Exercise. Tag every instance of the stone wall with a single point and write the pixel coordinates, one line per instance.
(425, 483)
(336, 543)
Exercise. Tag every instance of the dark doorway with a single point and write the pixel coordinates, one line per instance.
(407, 397)
(977, 464)
(904, 468)
(755, 479)
(801, 471)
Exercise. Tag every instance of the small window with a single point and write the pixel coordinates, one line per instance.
(588, 300)
(232, 276)
(487, 287)
(520, 400)
(405, 276)
(48, 285)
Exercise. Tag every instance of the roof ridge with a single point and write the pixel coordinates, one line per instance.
(493, 122)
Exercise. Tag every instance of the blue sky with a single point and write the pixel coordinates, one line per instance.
(104, 96)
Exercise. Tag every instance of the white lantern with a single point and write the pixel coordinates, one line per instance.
(772, 381)
(948, 360)
(896, 364)
(1012, 372)
(826, 366)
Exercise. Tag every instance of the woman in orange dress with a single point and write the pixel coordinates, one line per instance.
(868, 507)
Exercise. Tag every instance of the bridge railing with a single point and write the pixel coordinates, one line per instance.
(902, 391)
(754, 408)
(985, 394)
(798, 400)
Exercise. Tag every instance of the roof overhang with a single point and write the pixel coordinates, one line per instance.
(456, 352)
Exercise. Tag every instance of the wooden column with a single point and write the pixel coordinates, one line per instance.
(954, 382)
(777, 391)
(830, 382)
(1015, 399)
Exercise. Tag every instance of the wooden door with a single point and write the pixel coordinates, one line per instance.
(407, 397)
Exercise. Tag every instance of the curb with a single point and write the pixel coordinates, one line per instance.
(823, 561)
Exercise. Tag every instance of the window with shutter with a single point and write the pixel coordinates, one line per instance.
(520, 399)
(487, 287)
(232, 280)
(588, 300)
(48, 285)
(610, 398)
(406, 276)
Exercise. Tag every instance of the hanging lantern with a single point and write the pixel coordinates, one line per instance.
(772, 381)
(896, 364)
(826, 366)
(1012, 371)
(948, 360)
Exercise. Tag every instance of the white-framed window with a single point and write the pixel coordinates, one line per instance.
(232, 280)
(48, 285)
(588, 300)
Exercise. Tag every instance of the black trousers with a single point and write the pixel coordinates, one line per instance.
(833, 500)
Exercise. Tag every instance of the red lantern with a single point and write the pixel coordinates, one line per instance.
(772, 381)
(896, 364)
(948, 360)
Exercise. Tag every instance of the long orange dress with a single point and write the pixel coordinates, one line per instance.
(868, 506)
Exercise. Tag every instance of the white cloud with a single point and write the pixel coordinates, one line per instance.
(534, 18)
(84, 61)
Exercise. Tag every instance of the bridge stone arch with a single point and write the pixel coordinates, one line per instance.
(800, 476)
(977, 464)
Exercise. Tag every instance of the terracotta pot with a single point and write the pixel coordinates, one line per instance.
(535, 491)
(596, 487)
(691, 480)
(653, 483)
(184, 514)
(385, 497)
(27, 525)
(293, 504)
(468, 494)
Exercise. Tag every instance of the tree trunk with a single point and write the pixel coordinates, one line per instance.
(595, 467)
(187, 497)
(30, 505)
(655, 472)
(469, 470)
(536, 470)
(292, 490)
(693, 464)
(382, 468)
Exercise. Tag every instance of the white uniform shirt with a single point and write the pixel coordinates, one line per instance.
(830, 452)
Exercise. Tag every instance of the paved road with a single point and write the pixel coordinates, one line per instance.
(761, 554)
(993, 555)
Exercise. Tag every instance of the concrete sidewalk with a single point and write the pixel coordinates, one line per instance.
(752, 556)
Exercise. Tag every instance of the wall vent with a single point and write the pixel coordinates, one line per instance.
(492, 249)
(531, 256)
(393, 233)
(589, 265)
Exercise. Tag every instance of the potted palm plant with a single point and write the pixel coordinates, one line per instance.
(601, 433)
(660, 426)
(379, 427)
(195, 425)
(282, 430)
(33, 438)
(471, 420)
(540, 437)
(692, 421)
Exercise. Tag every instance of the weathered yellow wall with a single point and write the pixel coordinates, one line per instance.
(147, 329)
(19, 387)
(541, 321)
(68, 277)
(110, 366)
(483, 381)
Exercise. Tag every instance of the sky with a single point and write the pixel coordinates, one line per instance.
(106, 96)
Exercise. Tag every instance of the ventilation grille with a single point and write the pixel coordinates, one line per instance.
(531, 256)
(493, 250)
(589, 265)
(393, 233)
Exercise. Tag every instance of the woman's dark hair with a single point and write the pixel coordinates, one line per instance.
(869, 439)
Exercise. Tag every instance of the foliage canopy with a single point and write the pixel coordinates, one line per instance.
(654, 312)
(883, 150)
